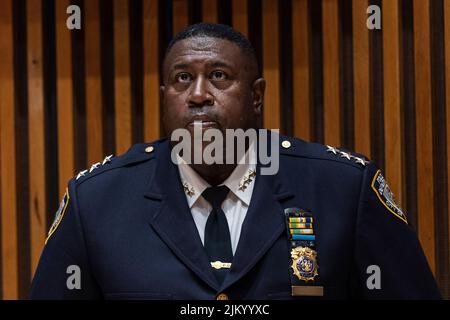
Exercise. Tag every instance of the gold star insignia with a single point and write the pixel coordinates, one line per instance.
(190, 191)
(247, 179)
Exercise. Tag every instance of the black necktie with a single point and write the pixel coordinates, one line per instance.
(217, 233)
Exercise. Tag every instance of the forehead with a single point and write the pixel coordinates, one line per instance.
(203, 49)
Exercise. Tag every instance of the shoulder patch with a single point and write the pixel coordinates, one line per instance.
(384, 194)
(347, 155)
(59, 214)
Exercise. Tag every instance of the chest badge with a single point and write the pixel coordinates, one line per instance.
(303, 267)
(304, 263)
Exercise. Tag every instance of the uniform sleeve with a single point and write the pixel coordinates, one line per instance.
(63, 271)
(387, 246)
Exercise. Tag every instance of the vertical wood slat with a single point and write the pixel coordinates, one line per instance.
(94, 114)
(37, 198)
(361, 70)
(209, 11)
(392, 93)
(122, 83)
(2, 99)
(331, 79)
(301, 69)
(151, 71)
(447, 109)
(392, 122)
(240, 16)
(180, 15)
(424, 138)
(64, 92)
(9, 257)
(271, 64)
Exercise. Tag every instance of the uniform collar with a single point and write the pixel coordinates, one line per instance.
(240, 182)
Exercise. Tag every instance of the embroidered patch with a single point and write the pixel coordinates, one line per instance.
(384, 193)
(59, 214)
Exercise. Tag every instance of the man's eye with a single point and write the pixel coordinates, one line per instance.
(218, 75)
(183, 77)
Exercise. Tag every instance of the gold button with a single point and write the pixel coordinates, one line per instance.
(222, 296)
(286, 144)
(149, 149)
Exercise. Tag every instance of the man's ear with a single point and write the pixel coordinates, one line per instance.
(258, 89)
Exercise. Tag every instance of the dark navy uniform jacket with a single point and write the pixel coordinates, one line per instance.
(128, 228)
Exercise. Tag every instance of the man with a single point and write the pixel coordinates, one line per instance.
(324, 226)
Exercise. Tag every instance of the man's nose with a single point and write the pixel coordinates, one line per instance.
(200, 95)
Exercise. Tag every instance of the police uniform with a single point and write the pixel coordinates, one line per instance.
(326, 226)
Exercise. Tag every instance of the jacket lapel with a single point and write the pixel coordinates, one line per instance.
(173, 221)
(262, 226)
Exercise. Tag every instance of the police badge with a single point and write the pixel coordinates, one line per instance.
(304, 263)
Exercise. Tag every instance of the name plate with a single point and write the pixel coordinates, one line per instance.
(309, 291)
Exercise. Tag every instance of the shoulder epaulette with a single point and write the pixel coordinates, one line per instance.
(297, 147)
(137, 153)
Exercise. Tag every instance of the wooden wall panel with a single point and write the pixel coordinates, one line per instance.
(94, 124)
(8, 157)
(331, 78)
(361, 69)
(447, 89)
(180, 15)
(343, 77)
(122, 82)
(392, 95)
(209, 11)
(36, 122)
(301, 69)
(64, 93)
(424, 135)
(240, 16)
(271, 64)
(151, 71)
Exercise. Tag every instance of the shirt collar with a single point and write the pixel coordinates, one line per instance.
(240, 182)
(193, 184)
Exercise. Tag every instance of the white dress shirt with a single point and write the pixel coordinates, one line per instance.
(235, 205)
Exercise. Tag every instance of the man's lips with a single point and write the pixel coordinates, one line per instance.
(204, 121)
(203, 125)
